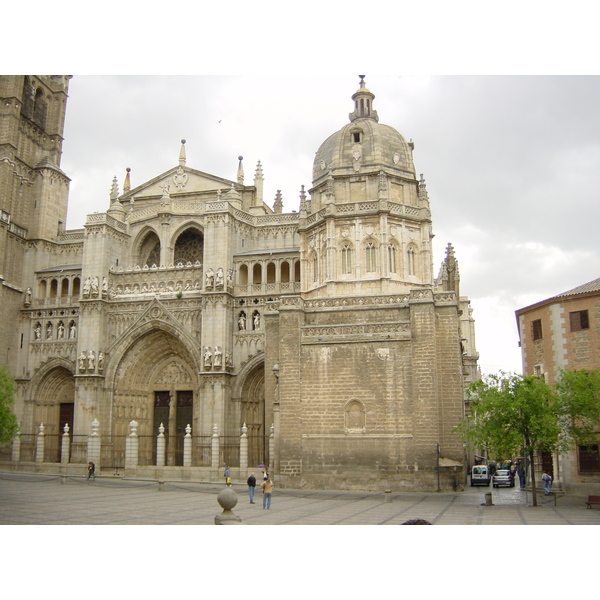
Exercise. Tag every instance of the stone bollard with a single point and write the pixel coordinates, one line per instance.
(488, 499)
(161, 486)
(227, 498)
(388, 495)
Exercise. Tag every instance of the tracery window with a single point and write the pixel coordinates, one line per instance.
(189, 247)
(371, 257)
(411, 260)
(392, 258)
(346, 259)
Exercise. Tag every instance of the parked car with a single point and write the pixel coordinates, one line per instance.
(480, 475)
(503, 477)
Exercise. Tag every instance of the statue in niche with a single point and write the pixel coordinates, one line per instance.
(28, 296)
(104, 287)
(38, 331)
(73, 330)
(49, 331)
(220, 278)
(94, 287)
(230, 279)
(86, 287)
(256, 320)
(100, 361)
(144, 288)
(228, 360)
(91, 360)
(242, 321)
(207, 357)
(210, 279)
(82, 361)
(61, 331)
(218, 357)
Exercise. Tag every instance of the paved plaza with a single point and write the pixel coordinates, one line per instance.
(31, 499)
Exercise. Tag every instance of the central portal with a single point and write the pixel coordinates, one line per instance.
(174, 411)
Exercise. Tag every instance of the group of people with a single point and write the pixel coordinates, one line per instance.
(266, 485)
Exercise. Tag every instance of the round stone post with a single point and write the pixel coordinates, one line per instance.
(214, 463)
(227, 498)
(16, 447)
(160, 447)
(39, 449)
(244, 450)
(187, 447)
(131, 447)
(65, 445)
(272, 449)
(93, 447)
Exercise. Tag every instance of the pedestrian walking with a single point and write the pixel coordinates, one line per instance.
(547, 479)
(227, 475)
(91, 470)
(521, 474)
(267, 486)
(251, 487)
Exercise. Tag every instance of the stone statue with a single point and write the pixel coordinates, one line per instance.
(210, 278)
(104, 287)
(91, 360)
(61, 331)
(82, 361)
(28, 296)
(49, 331)
(38, 332)
(94, 286)
(100, 361)
(229, 279)
(207, 357)
(218, 357)
(242, 322)
(228, 360)
(86, 287)
(73, 330)
(257, 320)
(220, 278)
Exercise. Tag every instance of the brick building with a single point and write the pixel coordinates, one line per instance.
(563, 332)
(322, 334)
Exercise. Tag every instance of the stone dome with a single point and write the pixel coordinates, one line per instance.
(364, 145)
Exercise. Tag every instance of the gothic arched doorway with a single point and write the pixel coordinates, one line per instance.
(253, 416)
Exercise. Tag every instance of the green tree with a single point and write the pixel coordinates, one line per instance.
(510, 413)
(8, 420)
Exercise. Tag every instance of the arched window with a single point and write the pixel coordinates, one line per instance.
(42, 289)
(285, 272)
(257, 274)
(76, 287)
(392, 258)
(189, 247)
(243, 276)
(40, 108)
(370, 258)
(411, 260)
(64, 288)
(54, 288)
(150, 250)
(270, 273)
(297, 271)
(347, 262)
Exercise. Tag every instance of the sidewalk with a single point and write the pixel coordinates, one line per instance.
(53, 500)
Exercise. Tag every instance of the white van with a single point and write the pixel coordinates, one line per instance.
(480, 475)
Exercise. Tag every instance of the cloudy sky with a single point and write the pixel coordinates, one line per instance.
(512, 163)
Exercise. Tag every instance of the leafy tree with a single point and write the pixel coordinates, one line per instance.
(513, 412)
(8, 420)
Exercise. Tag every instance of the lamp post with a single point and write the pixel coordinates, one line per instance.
(275, 459)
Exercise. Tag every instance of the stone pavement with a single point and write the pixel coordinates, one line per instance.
(30, 499)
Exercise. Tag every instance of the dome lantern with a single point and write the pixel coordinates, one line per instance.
(363, 103)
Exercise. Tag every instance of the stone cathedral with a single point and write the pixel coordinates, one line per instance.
(191, 305)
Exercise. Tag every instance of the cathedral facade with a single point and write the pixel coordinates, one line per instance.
(191, 307)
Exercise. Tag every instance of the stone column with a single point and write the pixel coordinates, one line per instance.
(244, 450)
(160, 447)
(272, 449)
(93, 446)
(65, 445)
(39, 449)
(214, 463)
(16, 448)
(131, 447)
(187, 447)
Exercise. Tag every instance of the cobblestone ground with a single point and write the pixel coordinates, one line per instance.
(53, 500)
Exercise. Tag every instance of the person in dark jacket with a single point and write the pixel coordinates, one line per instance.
(91, 470)
(251, 486)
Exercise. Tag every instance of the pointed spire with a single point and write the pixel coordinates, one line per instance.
(182, 154)
(240, 172)
(258, 184)
(278, 205)
(127, 184)
(363, 103)
(114, 190)
(423, 195)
